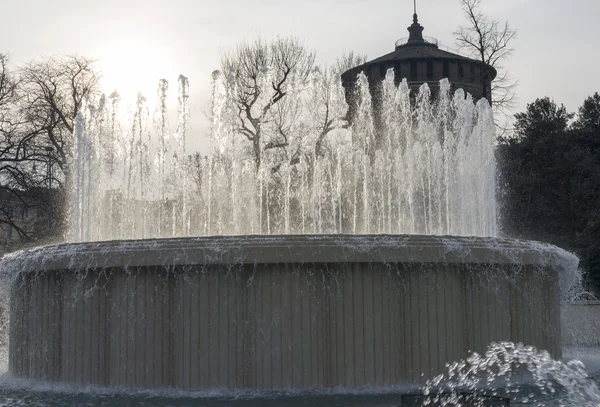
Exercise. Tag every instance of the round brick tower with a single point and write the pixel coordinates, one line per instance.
(419, 60)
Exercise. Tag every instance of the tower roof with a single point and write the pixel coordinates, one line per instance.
(416, 46)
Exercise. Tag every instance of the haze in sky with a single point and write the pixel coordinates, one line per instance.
(137, 42)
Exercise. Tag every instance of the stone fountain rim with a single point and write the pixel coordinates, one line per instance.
(273, 249)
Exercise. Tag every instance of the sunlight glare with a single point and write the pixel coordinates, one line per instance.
(135, 64)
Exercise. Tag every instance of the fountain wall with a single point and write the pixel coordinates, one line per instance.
(251, 312)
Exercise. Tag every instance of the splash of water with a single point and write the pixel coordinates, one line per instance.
(523, 373)
(427, 168)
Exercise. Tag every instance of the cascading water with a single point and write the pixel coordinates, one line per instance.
(429, 169)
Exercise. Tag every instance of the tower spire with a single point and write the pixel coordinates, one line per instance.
(415, 18)
(415, 30)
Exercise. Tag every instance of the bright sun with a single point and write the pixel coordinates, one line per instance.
(135, 64)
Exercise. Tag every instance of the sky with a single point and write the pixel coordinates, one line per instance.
(137, 42)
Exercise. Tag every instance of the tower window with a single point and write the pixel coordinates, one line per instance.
(446, 69)
(398, 74)
(429, 69)
(413, 70)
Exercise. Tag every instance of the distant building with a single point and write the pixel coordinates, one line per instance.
(419, 60)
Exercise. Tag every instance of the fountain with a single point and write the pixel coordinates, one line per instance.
(351, 268)
(501, 370)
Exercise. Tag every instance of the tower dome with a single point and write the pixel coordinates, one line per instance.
(420, 60)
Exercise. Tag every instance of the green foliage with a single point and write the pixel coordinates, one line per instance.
(589, 114)
(541, 118)
(590, 240)
(550, 179)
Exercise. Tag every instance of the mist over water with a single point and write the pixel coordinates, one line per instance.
(423, 167)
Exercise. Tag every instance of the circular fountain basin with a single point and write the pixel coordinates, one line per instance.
(275, 312)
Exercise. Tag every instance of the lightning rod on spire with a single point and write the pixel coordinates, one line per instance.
(415, 18)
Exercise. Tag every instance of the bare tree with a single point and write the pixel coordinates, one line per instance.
(349, 61)
(53, 92)
(325, 110)
(261, 74)
(490, 41)
(8, 165)
(38, 106)
(8, 85)
(19, 181)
